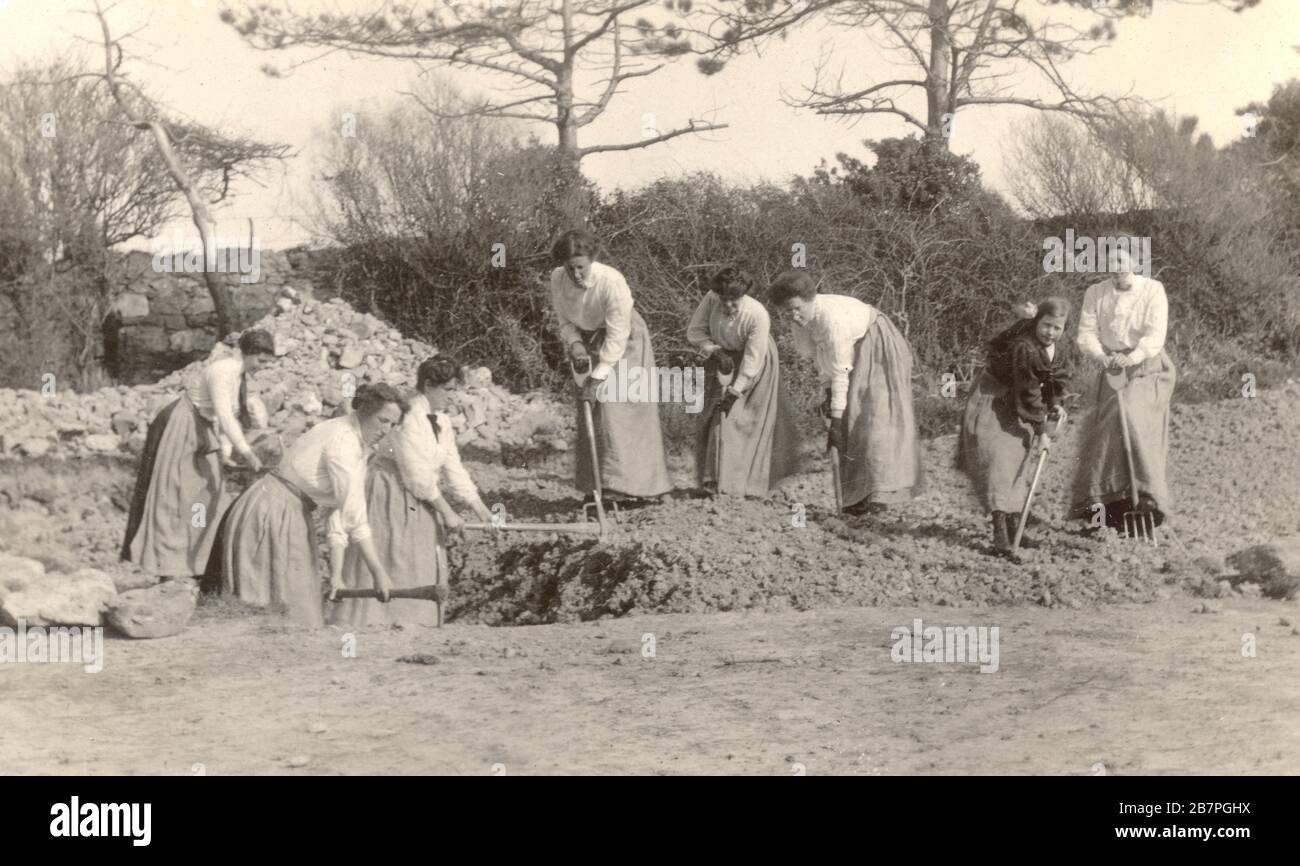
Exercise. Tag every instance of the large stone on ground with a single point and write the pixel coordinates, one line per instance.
(20, 569)
(79, 598)
(1275, 566)
(158, 611)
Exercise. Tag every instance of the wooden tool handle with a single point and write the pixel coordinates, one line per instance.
(593, 528)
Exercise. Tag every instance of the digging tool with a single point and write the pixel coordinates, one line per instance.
(1045, 442)
(581, 370)
(1137, 523)
(725, 370)
(434, 592)
(835, 478)
(583, 528)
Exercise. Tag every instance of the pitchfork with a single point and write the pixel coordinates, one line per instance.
(1137, 523)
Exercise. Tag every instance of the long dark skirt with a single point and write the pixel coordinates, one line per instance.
(881, 461)
(1102, 474)
(752, 448)
(266, 553)
(993, 448)
(180, 494)
(408, 538)
(629, 440)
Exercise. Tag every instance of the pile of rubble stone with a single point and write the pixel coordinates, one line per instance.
(325, 350)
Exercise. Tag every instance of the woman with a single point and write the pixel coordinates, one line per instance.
(866, 366)
(1122, 327)
(266, 548)
(745, 447)
(409, 516)
(593, 306)
(180, 492)
(1012, 401)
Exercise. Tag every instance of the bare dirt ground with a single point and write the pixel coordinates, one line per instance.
(1132, 689)
(771, 641)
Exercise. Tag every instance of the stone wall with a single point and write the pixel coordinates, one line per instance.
(163, 321)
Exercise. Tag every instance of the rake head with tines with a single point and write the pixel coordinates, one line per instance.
(1140, 525)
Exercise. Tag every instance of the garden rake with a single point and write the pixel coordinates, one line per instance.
(1137, 523)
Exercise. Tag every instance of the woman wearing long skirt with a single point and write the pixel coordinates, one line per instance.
(180, 492)
(1122, 327)
(866, 366)
(265, 553)
(410, 518)
(600, 327)
(746, 444)
(1020, 389)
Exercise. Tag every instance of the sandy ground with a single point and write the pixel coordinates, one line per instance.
(1131, 689)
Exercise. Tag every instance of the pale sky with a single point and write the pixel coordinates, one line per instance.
(1197, 60)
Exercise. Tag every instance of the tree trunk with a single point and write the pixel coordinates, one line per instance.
(937, 76)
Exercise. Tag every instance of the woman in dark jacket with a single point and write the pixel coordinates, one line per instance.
(1011, 402)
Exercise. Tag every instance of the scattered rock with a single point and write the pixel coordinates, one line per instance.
(102, 442)
(351, 357)
(18, 571)
(420, 659)
(123, 423)
(34, 447)
(159, 611)
(44, 599)
(1274, 566)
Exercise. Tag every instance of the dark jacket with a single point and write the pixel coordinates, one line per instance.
(1034, 382)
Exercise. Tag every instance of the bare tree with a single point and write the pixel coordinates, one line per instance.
(202, 171)
(1056, 165)
(954, 54)
(72, 185)
(546, 53)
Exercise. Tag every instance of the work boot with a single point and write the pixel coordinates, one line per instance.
(1001, 543)
(1013, 523)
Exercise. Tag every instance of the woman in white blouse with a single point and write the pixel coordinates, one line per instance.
(600, 327)
(180, 492)
(746, 444)
(1122, 326)
(409, 515)
(866, 367)
(265, 551)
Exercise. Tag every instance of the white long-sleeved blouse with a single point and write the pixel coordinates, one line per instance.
(1114, 320)
(606, 303)
(427, 460)
(747, 330)
(828, 337)
(328, 464)
(215, 394)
